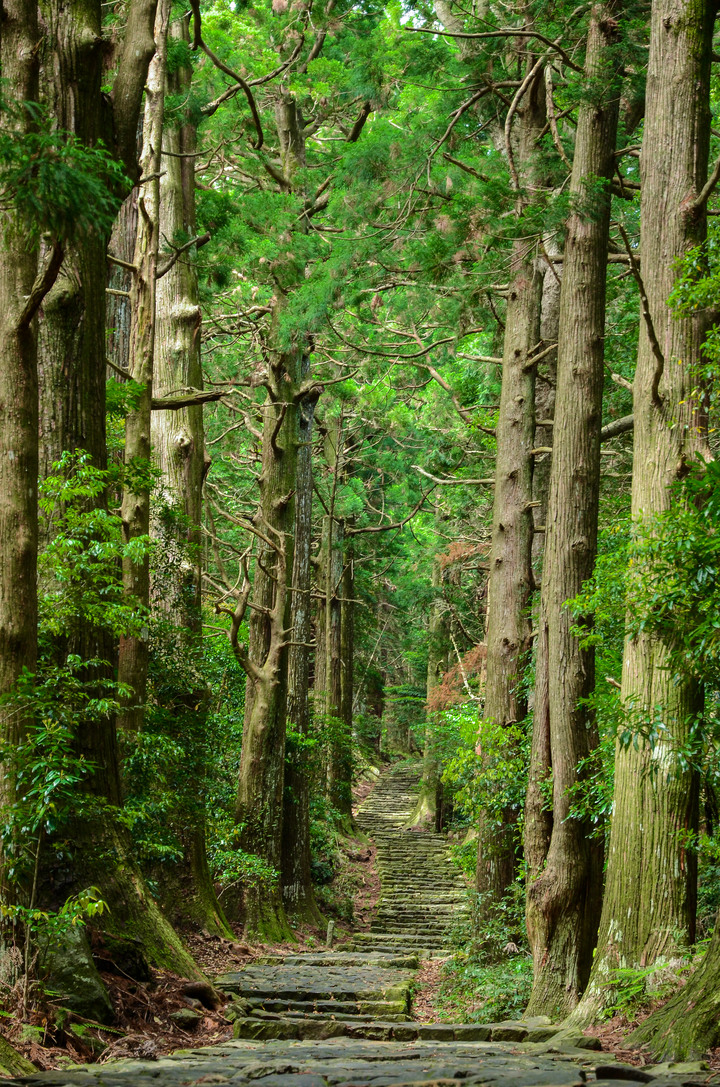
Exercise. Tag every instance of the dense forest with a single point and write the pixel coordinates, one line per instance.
(317, 457)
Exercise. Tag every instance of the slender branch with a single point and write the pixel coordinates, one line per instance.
(550, 107)
(456, 117)
(245, 87)
(464, 166)
(395, 524)
(44, 280)
(620, 380)
(503, 33)
(707, 189)
(121, 263)
(647, 317)
(281, 67)
(617, 427)
(201, 240)
(118, 369)
(453, 482)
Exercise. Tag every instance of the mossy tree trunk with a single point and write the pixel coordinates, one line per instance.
(563, 902)
(22, 289)
(688, 1026)
(538, 813)
(71, 366)
(339, 771)
(261, 782)
(650, 897)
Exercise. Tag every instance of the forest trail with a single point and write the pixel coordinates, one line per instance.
(344, 1018)
(423, 894)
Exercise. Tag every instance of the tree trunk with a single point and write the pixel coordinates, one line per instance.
(510, 580)
(340, 740)
(133, 653)
(538, 813)
(650, 898)
(430, 785)
(688, 1026)
(178, 441)
(259, 804)
(261, 784)
(563, 902)
(297, 889)
(71, 365)
(18, 398)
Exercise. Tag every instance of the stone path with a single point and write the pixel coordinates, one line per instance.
(343, 1018)
(423, 893)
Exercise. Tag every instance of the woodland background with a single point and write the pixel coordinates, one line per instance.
(367, 359)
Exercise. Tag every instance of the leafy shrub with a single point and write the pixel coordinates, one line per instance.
(473, 992)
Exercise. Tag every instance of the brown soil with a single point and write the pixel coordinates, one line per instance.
(427, 981)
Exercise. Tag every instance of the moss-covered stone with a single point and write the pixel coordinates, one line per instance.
(66, 964)
(12, 1063)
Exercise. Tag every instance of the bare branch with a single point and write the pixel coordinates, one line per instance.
(395, 524)
(509, 32)
(44, 280)
(707, 189)
(245, 87)
(188, 400)
(617, 427)
(649, 326)
(121, 263)
(165, 267)
(552, 119)
(439, 482)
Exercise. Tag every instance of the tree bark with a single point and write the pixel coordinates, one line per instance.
(340, 742)
(510, 579)
(71, 366)
(297, 889)
(18, 397)
(178, 443)
(564, 900)
(259, 804)
(261, 782)
(133, 653)
(650, 898)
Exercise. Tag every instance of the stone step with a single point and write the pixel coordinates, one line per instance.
(339, 958)
(378, 1009)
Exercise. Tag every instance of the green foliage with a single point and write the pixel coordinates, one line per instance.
(475, 992)
(676, 575)
(634, 988)
(54, 183)
(79, 568)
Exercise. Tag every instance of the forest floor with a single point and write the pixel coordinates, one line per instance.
(149, 1021)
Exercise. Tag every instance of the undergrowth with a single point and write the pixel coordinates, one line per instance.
(475, 992)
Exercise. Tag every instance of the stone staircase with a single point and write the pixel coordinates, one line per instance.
(424, 896)
(343, 1018)
(364, 990)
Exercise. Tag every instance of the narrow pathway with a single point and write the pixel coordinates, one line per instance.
(423, 894)
(343, 1018)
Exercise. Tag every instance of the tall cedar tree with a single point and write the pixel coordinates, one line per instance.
(651, 884)
(563, 903)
